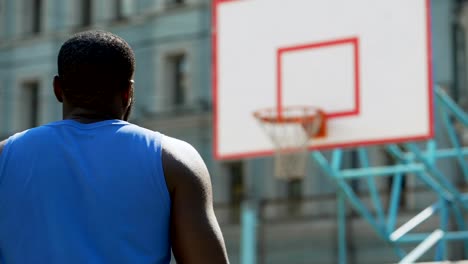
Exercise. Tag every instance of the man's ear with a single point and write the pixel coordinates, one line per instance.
(127, 96)
(58, 89)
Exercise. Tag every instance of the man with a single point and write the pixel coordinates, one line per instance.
(94, 188)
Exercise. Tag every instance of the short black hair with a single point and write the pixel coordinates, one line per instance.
(93, 66)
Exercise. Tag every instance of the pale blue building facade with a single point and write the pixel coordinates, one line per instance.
(172, 44)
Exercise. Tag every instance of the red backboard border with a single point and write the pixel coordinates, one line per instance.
(354, 42)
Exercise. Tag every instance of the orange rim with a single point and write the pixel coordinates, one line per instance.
(301, 115)
(291, 114)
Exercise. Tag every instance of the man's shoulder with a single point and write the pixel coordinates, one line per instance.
(9, 140)
(35, 133)
(182, 163)
(134, 129)
(2, 145)
(26, 136)
(178, 148)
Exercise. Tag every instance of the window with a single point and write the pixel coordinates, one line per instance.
(2, 21)
(123, 9)
(177, 78)
(459, 55)
(86, 13)
(118, 7)
(32, 17)
(30, 103)
(236, 188)
(175, 3)
(294, 194)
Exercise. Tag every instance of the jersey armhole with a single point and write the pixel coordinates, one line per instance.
(159, 175)
(5, 153)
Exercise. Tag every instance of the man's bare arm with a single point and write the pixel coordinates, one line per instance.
(195, 233)
(2, 145)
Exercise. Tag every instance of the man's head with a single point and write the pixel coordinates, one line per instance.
(95, 71)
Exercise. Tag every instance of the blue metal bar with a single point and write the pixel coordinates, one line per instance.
(452, 106)
(364, 161)
(437, 174)
(337, 158)
(361, 208)
(418, 237)
(414, 222)
(436, 186)
(394, 202)
(342, 245)
(248, 236)
(352, 198)
(456, 144)
(457, 235)
(461, 225)
(422, 248)
(413, 238)
(441, 250)
(441, 153)
(395, 151)
(431, 148)
(465, 197)
(381, 171)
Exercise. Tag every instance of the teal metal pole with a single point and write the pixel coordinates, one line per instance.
(249, 234)
(414, 222)
(352, 197)
(431, 148)
(336, 161)
(433, 184)
(440, 153)
(347, 190)
(436, 173)
(460, 220)
(342, 245)
(383, 171)
(452, 106)
(418, 237)
(422, 248)
(394, 202)
(364, 161)
(441, 250)
(455, 143)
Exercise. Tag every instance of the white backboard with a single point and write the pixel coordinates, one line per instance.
(366, 63)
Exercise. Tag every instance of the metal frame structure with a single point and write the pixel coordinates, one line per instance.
(419, 159)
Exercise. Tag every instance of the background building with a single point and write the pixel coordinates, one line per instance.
(172, 43)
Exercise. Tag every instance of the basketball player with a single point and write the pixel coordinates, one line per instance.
(94, 188)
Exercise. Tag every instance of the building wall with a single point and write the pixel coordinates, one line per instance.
(158, 31)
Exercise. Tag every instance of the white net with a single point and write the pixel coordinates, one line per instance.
(290, 134)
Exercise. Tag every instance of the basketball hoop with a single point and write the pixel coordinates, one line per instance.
(290, 129)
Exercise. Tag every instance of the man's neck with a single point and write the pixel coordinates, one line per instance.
(86, 116)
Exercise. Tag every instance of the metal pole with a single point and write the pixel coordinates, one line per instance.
(394, 202)
(248, 233)
(364, 162)
(422, 248)
(441, 250)
(342, 246)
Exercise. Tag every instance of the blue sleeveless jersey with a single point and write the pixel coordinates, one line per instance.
(84, 193)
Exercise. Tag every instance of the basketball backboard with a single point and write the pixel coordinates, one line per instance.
(366, 63)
